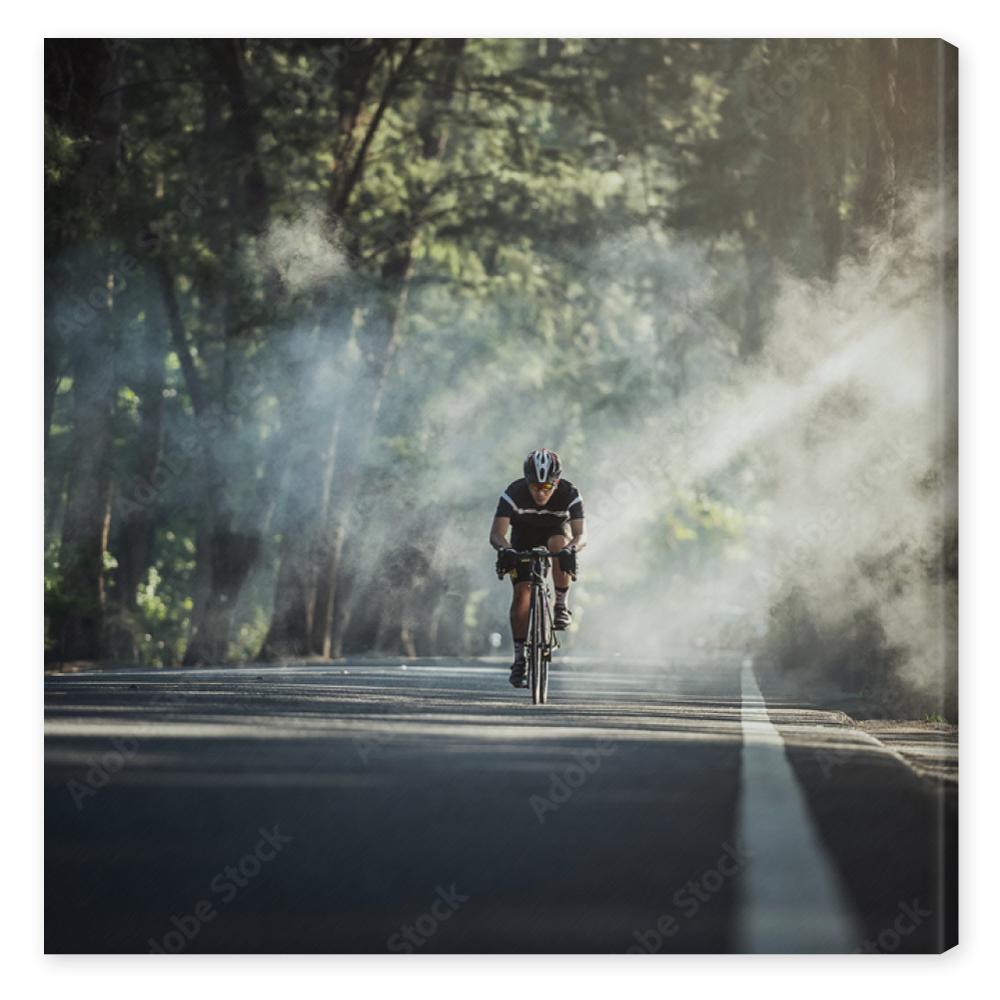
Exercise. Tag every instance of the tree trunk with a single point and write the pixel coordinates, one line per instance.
(305, 502)
(411, 589)
(53, 356)
(139, 499)
(232, 555)
(55, 364)
(86, 520)
(877, 200)
(363, 405)
(829, 166)
(231, 551)
(78, 625)
(759, 294)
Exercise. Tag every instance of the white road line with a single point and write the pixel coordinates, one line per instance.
(791, 899)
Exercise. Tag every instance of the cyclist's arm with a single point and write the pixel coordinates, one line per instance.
(498, 533)
(578, 526)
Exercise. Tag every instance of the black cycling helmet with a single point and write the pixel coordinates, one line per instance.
(542, 466)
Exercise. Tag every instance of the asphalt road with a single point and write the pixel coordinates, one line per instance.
(362, 807)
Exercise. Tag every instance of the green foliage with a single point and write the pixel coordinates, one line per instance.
(249, 637)
(161, 621)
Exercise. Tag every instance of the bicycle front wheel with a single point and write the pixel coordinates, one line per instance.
(545, 649)
(535, 658)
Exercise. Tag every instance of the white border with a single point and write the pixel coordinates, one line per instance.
(966, 25)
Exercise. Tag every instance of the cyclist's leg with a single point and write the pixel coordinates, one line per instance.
(556, 544)
(520, 607)
(561, 582)
(520, 611)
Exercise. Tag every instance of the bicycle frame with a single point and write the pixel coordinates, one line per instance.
(542, 640)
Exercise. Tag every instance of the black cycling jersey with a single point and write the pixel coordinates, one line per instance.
(533, 524)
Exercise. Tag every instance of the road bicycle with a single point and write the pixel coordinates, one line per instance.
(542, 640)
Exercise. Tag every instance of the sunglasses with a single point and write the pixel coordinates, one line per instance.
(544, 487)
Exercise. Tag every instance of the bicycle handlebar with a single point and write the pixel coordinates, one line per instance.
(540, 551)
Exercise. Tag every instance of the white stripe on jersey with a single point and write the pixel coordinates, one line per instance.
(543, 510)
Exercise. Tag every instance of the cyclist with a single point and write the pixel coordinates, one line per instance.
(542, 509)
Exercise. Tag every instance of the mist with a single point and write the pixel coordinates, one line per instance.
(800, 493)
